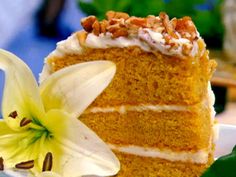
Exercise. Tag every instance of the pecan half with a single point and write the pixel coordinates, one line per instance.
(120, 32)
(103, 26)
(96, 28)
(118, 15)
(140, 22)
(88, 22)
(168, 24)
(185, 25)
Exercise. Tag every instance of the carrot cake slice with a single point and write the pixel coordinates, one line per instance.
(157, 114)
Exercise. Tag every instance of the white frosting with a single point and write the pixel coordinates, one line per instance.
(69, 46)
(200, 156)
(158, 37)
(147, 40)
(143, 107)
(106, 41)
(211, 101)
(157, 42)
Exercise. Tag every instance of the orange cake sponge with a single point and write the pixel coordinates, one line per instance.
(157, 114)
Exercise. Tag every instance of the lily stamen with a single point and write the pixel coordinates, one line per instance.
(13, 114)
(36, 127)
(1, 164)
(47, 163)
(25, 165)
(25, 122)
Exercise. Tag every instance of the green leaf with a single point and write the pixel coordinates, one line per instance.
(122, 5)
(100, 7)
(88, 8)
(223, 167)
(203, 21)
(143, 8)
(180, 8)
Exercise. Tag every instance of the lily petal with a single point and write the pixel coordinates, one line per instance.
(46, 174)
(82, 152)
(4, 129)
(21, 92)
(12, 173)
(74, 88)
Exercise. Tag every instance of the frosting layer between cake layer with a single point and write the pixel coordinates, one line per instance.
(143, 107)
(200, 156)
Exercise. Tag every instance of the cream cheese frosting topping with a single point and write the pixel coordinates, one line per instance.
(106, 41)
(147, 40)
(69, 46)
(157, 42)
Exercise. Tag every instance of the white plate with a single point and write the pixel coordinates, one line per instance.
(224, 145)
(226, 141)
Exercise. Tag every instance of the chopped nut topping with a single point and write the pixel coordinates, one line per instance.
(47, 163)
(13, 114)
(25, 122)
(1, 164)
(25, 165)
(121, 24)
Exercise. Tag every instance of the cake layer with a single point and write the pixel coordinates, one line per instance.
(177, 130)
(132, 165)
(146, 77)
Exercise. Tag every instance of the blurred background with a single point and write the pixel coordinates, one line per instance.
(32, 30)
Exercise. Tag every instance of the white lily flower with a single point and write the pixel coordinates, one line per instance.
(40, 130)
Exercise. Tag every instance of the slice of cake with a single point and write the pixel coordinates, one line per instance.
(157, 114)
